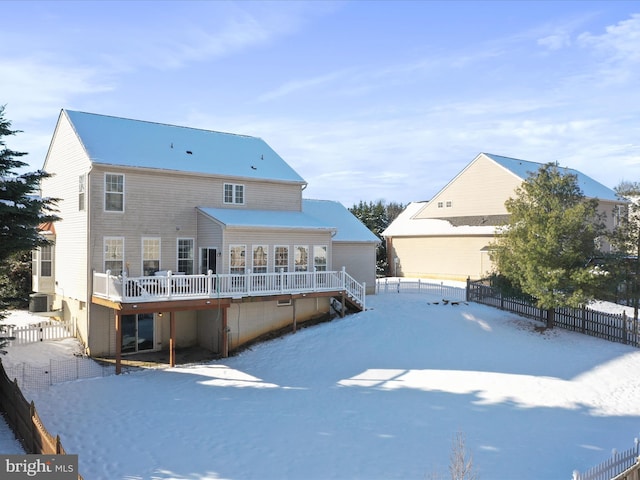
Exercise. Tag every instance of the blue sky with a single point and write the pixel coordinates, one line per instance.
(365, 100)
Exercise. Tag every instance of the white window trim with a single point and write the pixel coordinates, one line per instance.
(253, 258)
(233, 194)
(193, 253)
(277, 268)
(295, 252)
(142, 259)
(104, 199)
(104, 252)
(231, 247)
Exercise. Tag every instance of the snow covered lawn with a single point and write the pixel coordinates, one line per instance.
(376, 395)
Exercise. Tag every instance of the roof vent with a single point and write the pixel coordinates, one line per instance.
(189, 152)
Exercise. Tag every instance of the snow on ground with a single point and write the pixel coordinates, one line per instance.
(376, 395)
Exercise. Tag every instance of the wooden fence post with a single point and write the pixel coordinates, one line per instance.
(624, 327)
(468, 291)
(550, 317)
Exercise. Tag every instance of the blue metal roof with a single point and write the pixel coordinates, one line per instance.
(135, 143)
(316, 214)
(524, 169)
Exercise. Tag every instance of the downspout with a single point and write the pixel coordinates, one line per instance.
(87, 208)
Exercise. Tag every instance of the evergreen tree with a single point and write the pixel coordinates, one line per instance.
(21, 209)
(377, 217)
(552, 234)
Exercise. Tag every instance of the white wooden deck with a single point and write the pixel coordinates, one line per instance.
(171, 287)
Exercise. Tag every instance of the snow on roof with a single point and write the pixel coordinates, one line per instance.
(264, 218)
(316, 214)
(135, 143)
(406, 225)
(524, 169)
(349, 227)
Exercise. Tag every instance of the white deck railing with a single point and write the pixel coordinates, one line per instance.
(178, 286)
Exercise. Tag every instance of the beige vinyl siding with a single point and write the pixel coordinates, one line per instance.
(480, 189)
(248, 321)
(66, 160)
(359, 260)
(442, 257)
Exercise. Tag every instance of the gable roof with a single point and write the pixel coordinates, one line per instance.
(134, 143)
(325, 215)
(523, 169)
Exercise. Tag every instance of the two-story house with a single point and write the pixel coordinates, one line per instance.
(449, 236)
(172, 236)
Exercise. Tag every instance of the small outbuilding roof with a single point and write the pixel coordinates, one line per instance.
(135, 143)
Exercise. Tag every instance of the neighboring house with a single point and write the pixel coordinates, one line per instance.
(449, 236)
(172, 236)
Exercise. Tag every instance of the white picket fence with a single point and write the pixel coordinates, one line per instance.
(613, 467)
(39, 332)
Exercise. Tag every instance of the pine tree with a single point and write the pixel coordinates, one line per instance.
(552, 234)
(377, 217)
(21, 209)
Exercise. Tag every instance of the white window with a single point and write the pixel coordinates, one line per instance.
(320, 258)
(114, 192)
(302, 258)
(449, 204)
(114, 255)
(237, 259)
(281, 258)
(150, 256)
(440, 204)
(82, 188)
(185, 255)
(46, 263)
(260, 257)
(234, 193)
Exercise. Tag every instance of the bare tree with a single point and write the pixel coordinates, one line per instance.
(461, 461)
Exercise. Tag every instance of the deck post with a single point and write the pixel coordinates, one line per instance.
(225, 334)
(118, 342)
(295, 320)
(344, 304)
(172, 339)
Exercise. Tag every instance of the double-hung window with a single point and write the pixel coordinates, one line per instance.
(185, 255)
(114, 255)
(233, 193)
(320, 258)
(260, 257)
(150, 256)
(302, 258)
(237, 259)
(46, 260)
(114, 192)
(281, 258)
(82, 190)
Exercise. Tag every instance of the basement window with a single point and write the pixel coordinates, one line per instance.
(284, 303)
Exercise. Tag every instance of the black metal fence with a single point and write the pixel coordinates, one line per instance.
(610, 326)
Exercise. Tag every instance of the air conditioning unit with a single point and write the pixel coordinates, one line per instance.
(38, 302)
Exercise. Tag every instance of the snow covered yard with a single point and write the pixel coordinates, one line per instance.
(376, 395)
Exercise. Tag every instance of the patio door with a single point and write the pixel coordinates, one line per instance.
(208, 260)
(138, 332)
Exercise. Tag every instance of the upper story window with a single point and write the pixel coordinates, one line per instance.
(42, 261)
(320, 258)
(114, 192)
(185, 255)
(234, 193)
(114, 255)
(449, 204)
(150, 256)
(440, 204)
(82, 189)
